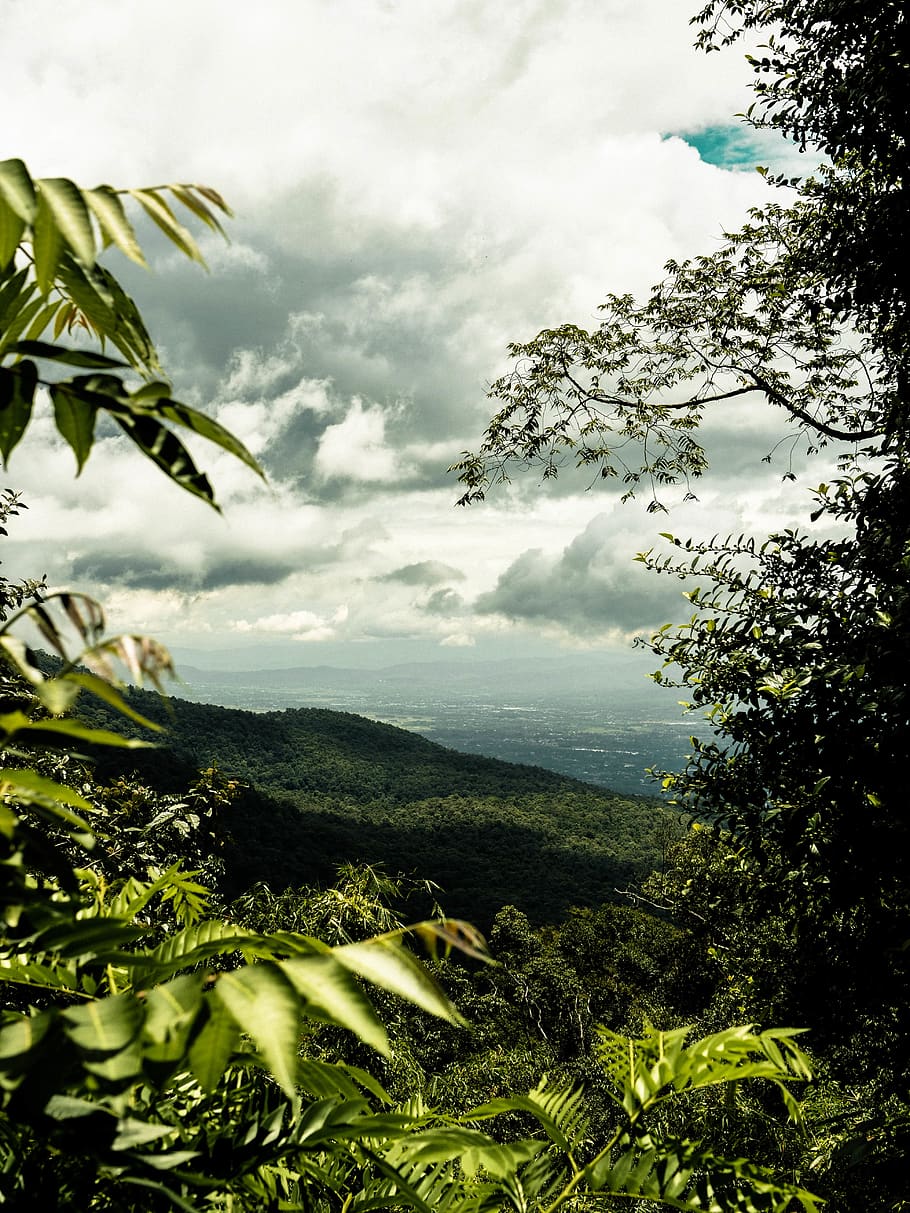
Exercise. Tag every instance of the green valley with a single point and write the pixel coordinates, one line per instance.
(329, 787)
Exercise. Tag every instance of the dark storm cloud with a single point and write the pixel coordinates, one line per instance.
(425, 572)
(144, 572)
(592, 586)
(133, 570)
(361, 308)
(444, 602)
(246, 571)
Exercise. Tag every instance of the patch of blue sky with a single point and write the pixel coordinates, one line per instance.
(739, 148)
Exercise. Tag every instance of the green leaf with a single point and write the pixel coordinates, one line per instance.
(169, 453)
(89, 938)
(17, 189)
(21, 1036)
(58, 732)
(47, 245)
(266, 1007)
(132, 1133)
(333, 996)
(171, 1011)
(184, 193)
(75, 420)
(211, 1051)
(70, 214)
(28, 785)
(107, 1025)
(385, 963)
(60, 353)
(181, 414)
(12, 227)
(115, 227)
(43, 317)
(161, 214)
(17, 392)
(104, 690)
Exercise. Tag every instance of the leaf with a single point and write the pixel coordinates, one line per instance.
(88, 939)
(333, 996)
(17, 391)
(212, 1049)
(60, 353)
(169, 453)
(171, 1011)
(71, 215)
(47, 245)
(115, 226)
(104, 690)
(132, 1133)
(181, 414)
(21, 1036)
(106, 1025)
(193, 945)
(57, 695)
(28, 785)
(266, 1007)
(58, 732)
(17, 189)
(185, 195)
(385, 963)
(75, 420)
(162, 215)
(12, 227)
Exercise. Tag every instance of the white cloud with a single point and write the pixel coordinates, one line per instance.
(416, 185)
(356, 448)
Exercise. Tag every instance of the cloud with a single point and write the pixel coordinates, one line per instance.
(424, 572)
(402, 222)
(306, 626)
(592, 586)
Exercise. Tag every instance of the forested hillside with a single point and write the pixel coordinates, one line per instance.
(329, 787)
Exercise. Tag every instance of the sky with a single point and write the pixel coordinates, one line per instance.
(416, 184)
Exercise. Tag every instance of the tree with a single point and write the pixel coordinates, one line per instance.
(798, 646)
(797, 651)
(152, 1050)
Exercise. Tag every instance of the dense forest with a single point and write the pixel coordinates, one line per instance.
(181, 1031)
(320, 788)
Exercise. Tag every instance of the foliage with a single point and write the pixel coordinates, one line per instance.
(796, 652)
(330, 787)
(153, 1052)
(53, 285)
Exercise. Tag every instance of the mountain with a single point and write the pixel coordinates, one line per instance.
(327, 787)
